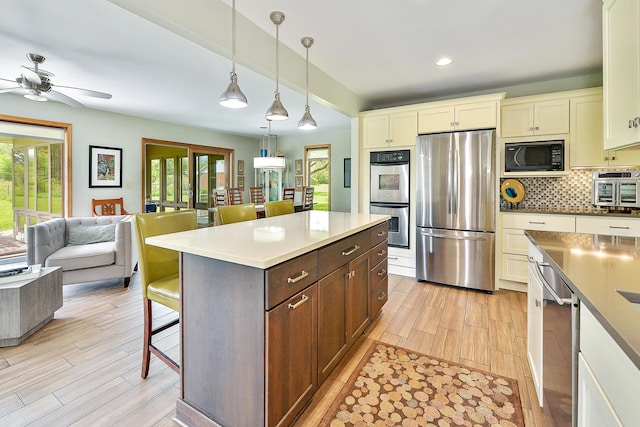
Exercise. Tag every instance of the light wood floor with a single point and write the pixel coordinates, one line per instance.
(83, 368)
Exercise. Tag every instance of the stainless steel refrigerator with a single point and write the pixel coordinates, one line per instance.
(455, 209)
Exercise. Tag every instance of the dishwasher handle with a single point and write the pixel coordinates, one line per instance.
(537, 268)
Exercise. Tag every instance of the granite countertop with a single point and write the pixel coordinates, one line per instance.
(586, 211)
(595, 267)
(265, 242)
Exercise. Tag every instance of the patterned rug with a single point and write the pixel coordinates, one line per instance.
(393, 386)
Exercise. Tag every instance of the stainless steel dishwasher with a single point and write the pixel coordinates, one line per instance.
(560, 334)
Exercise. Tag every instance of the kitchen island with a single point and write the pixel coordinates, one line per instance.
(268, 309)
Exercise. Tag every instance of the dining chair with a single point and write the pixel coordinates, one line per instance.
(281, 207)
(159, 275)
(236, 213)
(220, 198)
(108, 207)
(256, 195)
(307, 198)
(235, 196)
(288, 193)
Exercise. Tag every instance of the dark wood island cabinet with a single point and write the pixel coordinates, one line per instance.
(260, 336)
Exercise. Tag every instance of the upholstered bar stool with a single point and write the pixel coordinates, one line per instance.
(281, 207)
(236, 213)
(159, 275)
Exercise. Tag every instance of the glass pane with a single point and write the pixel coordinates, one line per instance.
(169, 176)
(55, 183)
(18, 179)
(202, 179)
(31, 177)
(319, 173)
(155, 180)
(42, 183)
(628, 192)
(184, 180)
(219, 176)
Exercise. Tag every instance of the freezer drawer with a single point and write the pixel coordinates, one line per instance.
(458, 258)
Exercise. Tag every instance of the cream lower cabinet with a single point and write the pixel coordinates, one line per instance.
(535, 294)
(608, 381)
(515, 243)
(610, 226)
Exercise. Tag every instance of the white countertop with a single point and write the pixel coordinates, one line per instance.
(263, 243)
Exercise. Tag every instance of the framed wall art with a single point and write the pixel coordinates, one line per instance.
(240, 167)
(105, 167)
(298, 166)
(241, 182)
(298, 183)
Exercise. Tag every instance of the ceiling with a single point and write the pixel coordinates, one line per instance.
(384, 54)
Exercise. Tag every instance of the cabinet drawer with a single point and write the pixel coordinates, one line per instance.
(609, 226)
(289, 278)
(515, 268)
(379, 233)
(565, 223)
(514, 241)
(378, 254)
(378, 272)
(332, 256)
(379, 295)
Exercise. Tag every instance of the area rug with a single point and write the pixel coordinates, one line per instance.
(393, 386)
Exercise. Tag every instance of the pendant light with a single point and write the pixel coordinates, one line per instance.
(307, 122)
(233, 96)
(277, 110)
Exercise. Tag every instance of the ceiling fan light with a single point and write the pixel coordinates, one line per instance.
(277, 110)
(307, 122)
(35, 97)
(233, 96)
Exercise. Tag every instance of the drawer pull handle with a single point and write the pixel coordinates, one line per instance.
(619, 227)
(382, 296)
(536, 222)
(299, 303)
(382, 233)
(382, 252)
(297, 279)
(392, 257)
(382, 272)
(350, 251)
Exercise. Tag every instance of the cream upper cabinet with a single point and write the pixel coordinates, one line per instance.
(476, 115)
(535, 118)
(389, 130)
(621, 72)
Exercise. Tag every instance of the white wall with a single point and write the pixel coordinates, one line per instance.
(93, 127)
(293, 148)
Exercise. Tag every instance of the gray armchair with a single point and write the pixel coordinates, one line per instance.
(87, 248)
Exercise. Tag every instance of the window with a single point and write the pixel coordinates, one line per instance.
(318, 175)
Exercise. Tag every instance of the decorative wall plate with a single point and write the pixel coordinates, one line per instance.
(512, 190)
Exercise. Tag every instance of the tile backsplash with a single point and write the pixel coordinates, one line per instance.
(572, 192)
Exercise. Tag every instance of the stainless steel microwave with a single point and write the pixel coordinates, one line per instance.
(535, 156)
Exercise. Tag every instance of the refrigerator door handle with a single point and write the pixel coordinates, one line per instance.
(450, 184)
(449, 236)
(456, 179)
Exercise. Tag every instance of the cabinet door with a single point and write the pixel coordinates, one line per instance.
(586, 138)
(332, 332)
(551, 117)
(534, 329)
(357, 297)
(475, 116)
(594, 410)
(629, 157)
(621, 73)
(517, 120)
(438, 119)
(375, 131)
(291, 352)
(403, 129)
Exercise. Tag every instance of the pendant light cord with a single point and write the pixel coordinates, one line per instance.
(307, 104)
(277, 56)
(233, 37)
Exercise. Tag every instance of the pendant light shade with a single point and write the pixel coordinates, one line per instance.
(277, 110)
(233, 96)
(307, 122)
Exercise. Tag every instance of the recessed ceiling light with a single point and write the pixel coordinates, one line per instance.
(444, 61)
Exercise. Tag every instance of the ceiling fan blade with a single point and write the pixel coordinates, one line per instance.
(87, 92)
(11, 89)
(57, 96)
(30, 75)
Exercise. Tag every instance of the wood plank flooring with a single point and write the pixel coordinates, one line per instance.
(83, 368)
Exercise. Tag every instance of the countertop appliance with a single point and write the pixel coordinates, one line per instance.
(616, 189)
(455, 205)
(560, 314)
(389, 193)
(534, 156)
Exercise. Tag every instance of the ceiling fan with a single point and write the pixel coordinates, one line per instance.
(35, 84)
